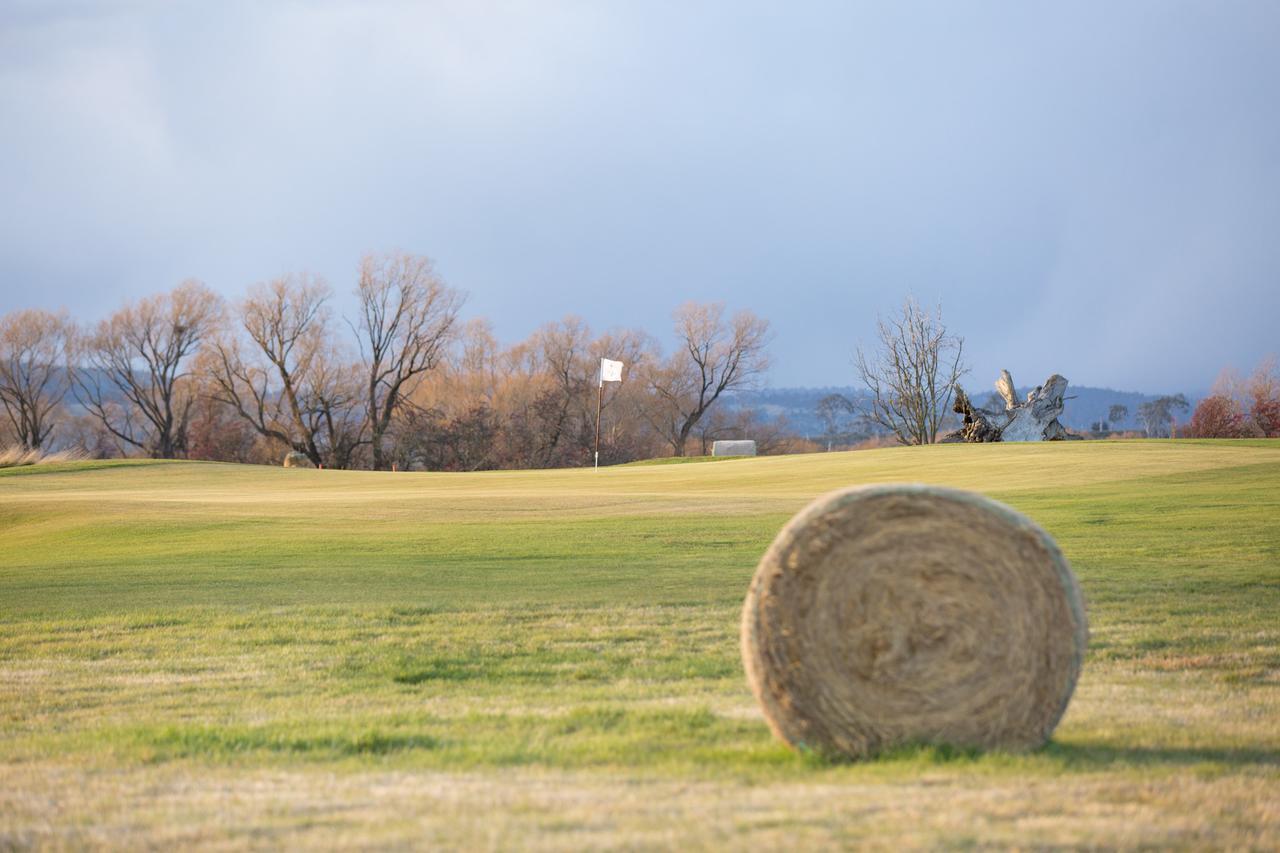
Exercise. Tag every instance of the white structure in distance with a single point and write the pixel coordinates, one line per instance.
(745, 447)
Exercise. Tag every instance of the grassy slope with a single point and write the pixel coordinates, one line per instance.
(563, 645)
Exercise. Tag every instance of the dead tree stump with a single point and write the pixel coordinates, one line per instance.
(1034, 419)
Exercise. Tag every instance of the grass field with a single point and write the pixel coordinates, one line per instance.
(238, 656)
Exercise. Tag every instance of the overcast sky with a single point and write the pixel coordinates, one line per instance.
(1086, 188)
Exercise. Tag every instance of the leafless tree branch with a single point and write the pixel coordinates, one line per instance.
(912, 374)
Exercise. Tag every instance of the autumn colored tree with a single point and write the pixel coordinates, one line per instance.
(1218, 416)
(549, 423)
(553, 425)
(217, 433)
(625, 434)
(532, 404)
(1262, 391)
(450, 419)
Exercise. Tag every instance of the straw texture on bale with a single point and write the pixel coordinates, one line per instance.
(906, 614)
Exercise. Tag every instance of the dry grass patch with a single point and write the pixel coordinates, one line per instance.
(48, 805)
(17, 456)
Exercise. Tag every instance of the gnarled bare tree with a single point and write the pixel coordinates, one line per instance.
(714, 356)
(288, 380)
(34, 372)
(912, 374)
(407, 318)
(136, 367)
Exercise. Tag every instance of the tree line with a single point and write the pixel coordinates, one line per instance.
(1240, 406)
(912, 371)
(405, 383)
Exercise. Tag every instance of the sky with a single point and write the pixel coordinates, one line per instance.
(1088, 188)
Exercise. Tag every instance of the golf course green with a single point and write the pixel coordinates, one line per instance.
(200, 653)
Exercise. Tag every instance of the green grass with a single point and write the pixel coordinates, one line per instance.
(680, 460)
(565, 643)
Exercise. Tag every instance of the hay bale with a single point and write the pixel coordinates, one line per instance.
(901, 614)
(294, 459)
(741, 447)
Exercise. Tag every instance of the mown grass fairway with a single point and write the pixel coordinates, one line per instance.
(199, 653)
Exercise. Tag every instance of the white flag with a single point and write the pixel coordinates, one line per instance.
(610, 371)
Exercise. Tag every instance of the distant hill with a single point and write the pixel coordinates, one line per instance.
(1085, 405)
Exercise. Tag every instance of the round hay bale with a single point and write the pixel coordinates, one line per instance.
(294, 459)
(906, 614)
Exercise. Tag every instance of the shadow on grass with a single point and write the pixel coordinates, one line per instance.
(1100, 756)
(1068, 756)
(75, 467)
(184, 742)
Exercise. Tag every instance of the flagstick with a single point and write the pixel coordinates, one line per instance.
(599, 406)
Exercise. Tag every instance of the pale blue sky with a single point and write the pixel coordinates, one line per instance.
(1087, 188)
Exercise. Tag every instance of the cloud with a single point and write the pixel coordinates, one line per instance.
(1107, 173)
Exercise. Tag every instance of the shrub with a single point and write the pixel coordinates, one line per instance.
(1263, 392)
(1266, 416)
(16, 455)
(1218, 416)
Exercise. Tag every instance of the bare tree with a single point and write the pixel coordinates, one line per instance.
(553, 413)
(470, 374)
(292, 385)
(722, 423)
(714, 356)
(136, 368)
(912, 374)
(831, 410)
(623, 434)
(561, 352)
(407, 318)
(34, 377)
(1157, 415)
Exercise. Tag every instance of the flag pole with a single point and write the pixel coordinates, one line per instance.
(599, 406)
